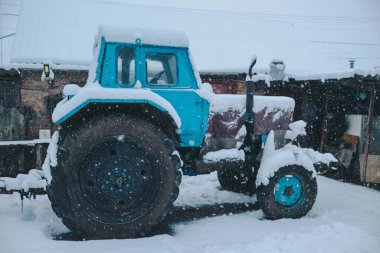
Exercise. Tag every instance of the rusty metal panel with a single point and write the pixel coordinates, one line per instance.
(226, 129)
(372, 172)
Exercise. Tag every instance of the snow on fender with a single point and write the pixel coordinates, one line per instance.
(93, 92)
(290, 154)
(286, 183)
(51, 157)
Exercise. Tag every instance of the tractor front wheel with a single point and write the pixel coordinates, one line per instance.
(290, 193)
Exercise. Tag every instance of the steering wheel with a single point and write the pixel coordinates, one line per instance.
(156, 77)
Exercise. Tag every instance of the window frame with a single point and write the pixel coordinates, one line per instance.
(135, 52)
(164, 68)
(109, 75)
(117, 50)
(185, 75)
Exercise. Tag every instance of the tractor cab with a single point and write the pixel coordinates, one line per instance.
(127, 65)
(135, 60)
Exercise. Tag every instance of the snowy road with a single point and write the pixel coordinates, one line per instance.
(345, 218)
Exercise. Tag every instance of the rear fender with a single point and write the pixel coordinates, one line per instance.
(97, 95)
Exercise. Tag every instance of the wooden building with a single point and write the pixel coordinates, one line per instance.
(343, 114)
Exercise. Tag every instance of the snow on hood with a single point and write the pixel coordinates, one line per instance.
(234, 102)
(223, 102)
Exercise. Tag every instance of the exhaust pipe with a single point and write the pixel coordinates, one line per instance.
(249, 116)
(252, 142)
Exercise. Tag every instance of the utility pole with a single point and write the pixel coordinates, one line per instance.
(1, 43)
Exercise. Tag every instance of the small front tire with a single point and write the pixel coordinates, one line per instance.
(290, 193)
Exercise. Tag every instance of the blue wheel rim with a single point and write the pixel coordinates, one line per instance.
(287, 191)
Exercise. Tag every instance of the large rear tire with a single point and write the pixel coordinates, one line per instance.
(117, 177)
(290, 193)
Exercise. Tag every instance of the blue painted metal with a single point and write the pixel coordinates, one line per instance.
(194, 123)
(109, 65)
(108, 78)
(287, 191)
(192, 109)
(186, 77)
(107, 101)
(100, 59)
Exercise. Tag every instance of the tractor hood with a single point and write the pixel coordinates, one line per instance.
(226, 127)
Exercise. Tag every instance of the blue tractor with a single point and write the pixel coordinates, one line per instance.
(144, 118)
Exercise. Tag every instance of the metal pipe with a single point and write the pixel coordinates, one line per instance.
(368, 136)
(6, 36)
(324, 123)
(249, 117)
(253, 62)
(249, 102)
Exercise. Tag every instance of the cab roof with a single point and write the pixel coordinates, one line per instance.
(147, 36)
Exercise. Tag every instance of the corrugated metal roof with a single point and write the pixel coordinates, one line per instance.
(62, 32)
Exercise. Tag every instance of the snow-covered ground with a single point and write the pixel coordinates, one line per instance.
(345, 218)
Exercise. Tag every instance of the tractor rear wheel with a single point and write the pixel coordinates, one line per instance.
(290, 193)
(116, 177)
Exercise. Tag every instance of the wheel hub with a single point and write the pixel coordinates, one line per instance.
(287, 191)
(117, 178)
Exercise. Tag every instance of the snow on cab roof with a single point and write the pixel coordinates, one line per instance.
(147, 36)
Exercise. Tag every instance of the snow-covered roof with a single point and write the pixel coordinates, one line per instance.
(147, 36)
(307, 35)
(9, 12)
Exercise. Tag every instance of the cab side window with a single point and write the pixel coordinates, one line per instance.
(161, 69)
(126, 73)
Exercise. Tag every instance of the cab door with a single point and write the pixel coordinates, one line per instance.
(168, 72)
